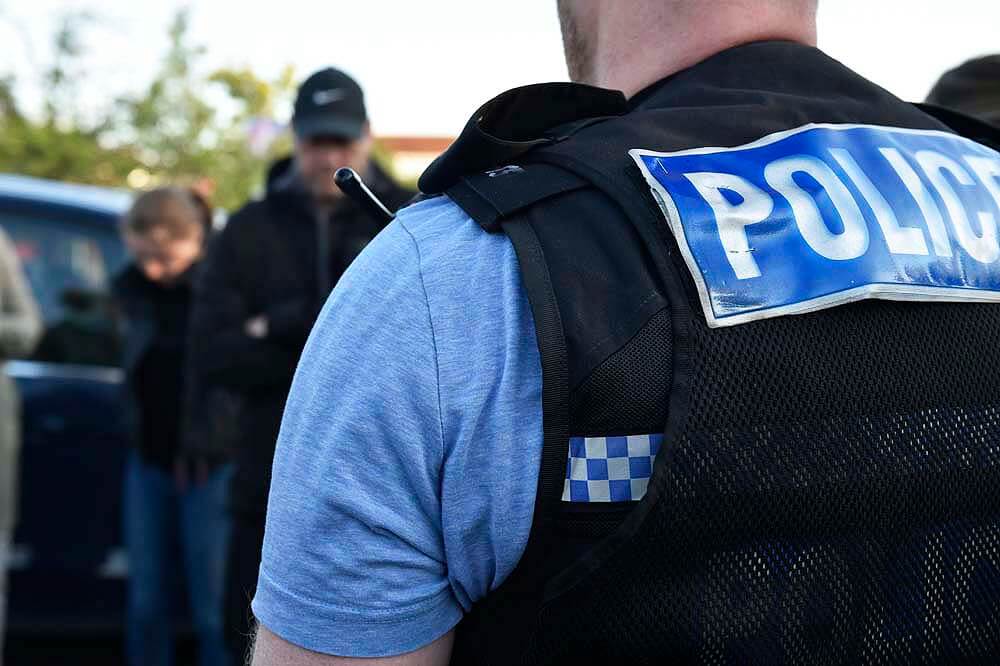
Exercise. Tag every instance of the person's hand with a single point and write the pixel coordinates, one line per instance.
(188, 471)
(257, 327)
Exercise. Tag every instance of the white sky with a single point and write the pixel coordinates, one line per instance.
(426, 66)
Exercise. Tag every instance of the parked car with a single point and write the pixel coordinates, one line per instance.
(68, 566)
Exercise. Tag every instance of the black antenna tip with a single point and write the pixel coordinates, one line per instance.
(344, 176)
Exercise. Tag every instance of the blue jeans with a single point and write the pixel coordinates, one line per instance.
(156, 516)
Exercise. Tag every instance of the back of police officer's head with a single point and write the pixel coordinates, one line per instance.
(630, 45)
(331, 130)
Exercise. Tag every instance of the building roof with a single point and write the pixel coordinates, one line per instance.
(416, 144)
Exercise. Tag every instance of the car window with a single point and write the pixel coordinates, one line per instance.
(70, 262)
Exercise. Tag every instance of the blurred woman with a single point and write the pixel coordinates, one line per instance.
(170, 496)
(20, 328)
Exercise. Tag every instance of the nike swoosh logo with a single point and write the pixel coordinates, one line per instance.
(322, 97)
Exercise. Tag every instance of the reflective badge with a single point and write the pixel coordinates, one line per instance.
(610, 469)
(825, 215)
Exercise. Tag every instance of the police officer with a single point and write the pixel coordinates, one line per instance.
(697, 371)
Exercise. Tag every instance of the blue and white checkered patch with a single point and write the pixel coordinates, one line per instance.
(610, 469)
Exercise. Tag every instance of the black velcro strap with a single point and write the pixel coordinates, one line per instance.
(491, 197)
(555, 367)
(514, 123)
(515, 605)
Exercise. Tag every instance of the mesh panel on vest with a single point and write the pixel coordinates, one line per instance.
(627, 394)
(832, 497)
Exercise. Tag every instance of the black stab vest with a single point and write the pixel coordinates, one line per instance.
(829, 487)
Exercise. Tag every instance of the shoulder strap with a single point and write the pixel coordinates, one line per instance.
(517, 602)
(494, 196)
(516, 122)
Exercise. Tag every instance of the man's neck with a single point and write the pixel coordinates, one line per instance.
(631, 54)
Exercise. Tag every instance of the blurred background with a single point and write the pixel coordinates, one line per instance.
(129, 96)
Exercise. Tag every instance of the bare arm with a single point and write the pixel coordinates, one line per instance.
(272, 650)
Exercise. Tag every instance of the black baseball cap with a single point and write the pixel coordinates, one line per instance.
(329, 103)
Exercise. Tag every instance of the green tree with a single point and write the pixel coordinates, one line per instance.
(59, 146)
(181, 137)
(182, 128)
(255, 99)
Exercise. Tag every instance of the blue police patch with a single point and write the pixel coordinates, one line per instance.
(824, 215)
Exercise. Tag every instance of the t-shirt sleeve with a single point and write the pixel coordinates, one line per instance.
(354, 557)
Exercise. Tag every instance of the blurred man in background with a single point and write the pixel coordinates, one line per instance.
(972, 88)
(266, 278)
(173, 494)
(20, 328)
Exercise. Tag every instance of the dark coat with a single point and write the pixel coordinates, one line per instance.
(203, 413)
(267, 261)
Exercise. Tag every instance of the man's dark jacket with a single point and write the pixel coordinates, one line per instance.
(267, 262)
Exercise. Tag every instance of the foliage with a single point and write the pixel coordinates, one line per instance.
(185, 127)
